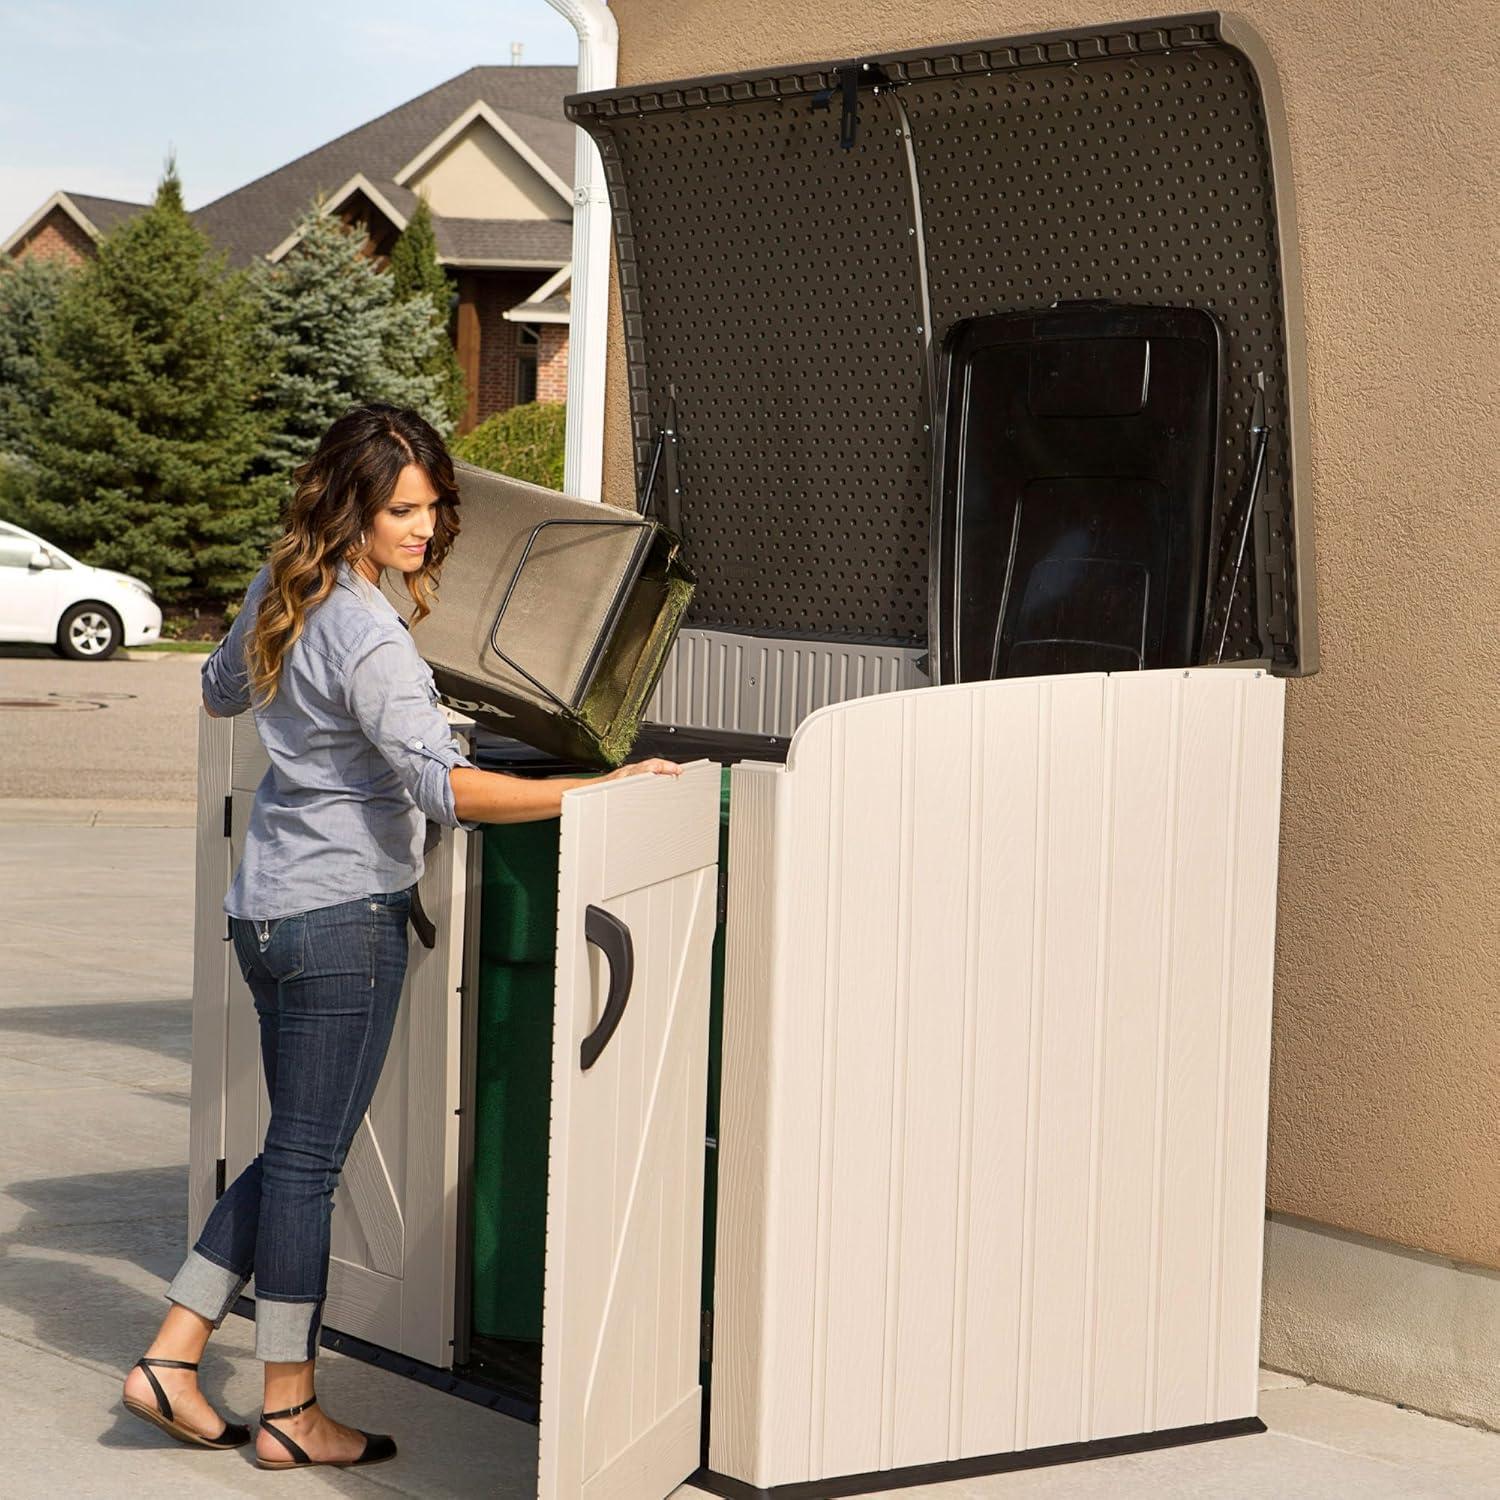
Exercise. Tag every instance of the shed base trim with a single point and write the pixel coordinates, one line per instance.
(971, 1468)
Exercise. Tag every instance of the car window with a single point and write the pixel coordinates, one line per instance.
(16, 551)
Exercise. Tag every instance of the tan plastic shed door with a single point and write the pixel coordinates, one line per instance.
(621, 1404)
(391, 1269)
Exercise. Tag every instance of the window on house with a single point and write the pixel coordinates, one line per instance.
(528, 341)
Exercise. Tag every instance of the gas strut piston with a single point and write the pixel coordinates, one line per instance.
(1259, 432)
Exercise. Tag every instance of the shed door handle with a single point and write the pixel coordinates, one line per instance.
(612, 938)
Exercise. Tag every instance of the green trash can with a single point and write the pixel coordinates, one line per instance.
(518, 922)
(513, 1065)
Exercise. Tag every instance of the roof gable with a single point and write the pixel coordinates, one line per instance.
(255, 219)
(92, 216)
(480, 166)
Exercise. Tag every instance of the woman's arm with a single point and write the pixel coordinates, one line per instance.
(493, 797)
(226, 684)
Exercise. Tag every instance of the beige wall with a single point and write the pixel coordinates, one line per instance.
(1386, 1074)
(477, 175)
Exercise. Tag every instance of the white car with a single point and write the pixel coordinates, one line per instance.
(86, 613)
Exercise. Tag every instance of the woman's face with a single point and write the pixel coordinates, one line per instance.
(403, 527)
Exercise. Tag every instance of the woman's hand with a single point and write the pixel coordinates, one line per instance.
(654, 767)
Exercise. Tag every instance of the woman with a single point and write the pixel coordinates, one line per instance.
(361, 757)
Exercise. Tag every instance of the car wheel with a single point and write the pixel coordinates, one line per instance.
(89, 632)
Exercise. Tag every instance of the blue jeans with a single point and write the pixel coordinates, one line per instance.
(326, 985)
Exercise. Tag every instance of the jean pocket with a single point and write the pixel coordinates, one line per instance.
(278, 943)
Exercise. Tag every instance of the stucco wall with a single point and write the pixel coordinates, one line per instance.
(1386, 1073)
(478, 175)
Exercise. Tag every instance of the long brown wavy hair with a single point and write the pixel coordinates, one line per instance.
(340, 489)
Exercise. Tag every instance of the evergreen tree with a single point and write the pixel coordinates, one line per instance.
(415, 271)
(30, 290)
(339, 336)
(144, 433)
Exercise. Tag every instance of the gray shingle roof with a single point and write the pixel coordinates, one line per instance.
(104, 213)
(254, 219)
(552, 307)
(465, 241)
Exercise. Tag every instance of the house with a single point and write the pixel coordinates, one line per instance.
(493, 156)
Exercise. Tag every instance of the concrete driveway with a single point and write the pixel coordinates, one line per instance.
(99, 733)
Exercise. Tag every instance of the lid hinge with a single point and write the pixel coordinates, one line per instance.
(849, 79)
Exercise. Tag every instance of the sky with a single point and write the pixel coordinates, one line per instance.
(95, 95)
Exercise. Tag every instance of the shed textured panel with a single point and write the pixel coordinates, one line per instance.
(1142, 177)
(779, 300)
(782, 318)
(1013, 1001)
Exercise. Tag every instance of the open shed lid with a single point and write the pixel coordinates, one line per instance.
(795, 244)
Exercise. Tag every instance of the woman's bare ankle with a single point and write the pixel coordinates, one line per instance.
(288, 1384)
(183, 1334)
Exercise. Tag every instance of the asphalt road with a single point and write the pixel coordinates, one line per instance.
(111, 730)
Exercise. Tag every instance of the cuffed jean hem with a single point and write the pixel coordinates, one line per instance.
(205, 1287)
(286, 1333)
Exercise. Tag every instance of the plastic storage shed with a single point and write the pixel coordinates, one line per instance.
(998, 979)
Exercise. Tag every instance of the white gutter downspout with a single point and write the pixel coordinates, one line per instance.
(588, 323)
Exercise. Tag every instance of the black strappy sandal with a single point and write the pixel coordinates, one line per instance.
(234, 1435)
(378, 1447)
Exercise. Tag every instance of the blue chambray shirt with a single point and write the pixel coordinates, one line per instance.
(360, 755)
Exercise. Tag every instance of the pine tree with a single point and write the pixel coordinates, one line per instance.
(30, 290)
(340, 336)
(144, 432)
(415, 271)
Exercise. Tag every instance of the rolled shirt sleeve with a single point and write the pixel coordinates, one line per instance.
(226, 678)
(389, 694)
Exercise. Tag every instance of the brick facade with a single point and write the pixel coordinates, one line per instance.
(57, 237)
(488, 347)
(552, 363)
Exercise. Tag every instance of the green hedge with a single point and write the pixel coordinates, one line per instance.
(525, 442)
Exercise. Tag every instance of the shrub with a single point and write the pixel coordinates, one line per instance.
(525, 442)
